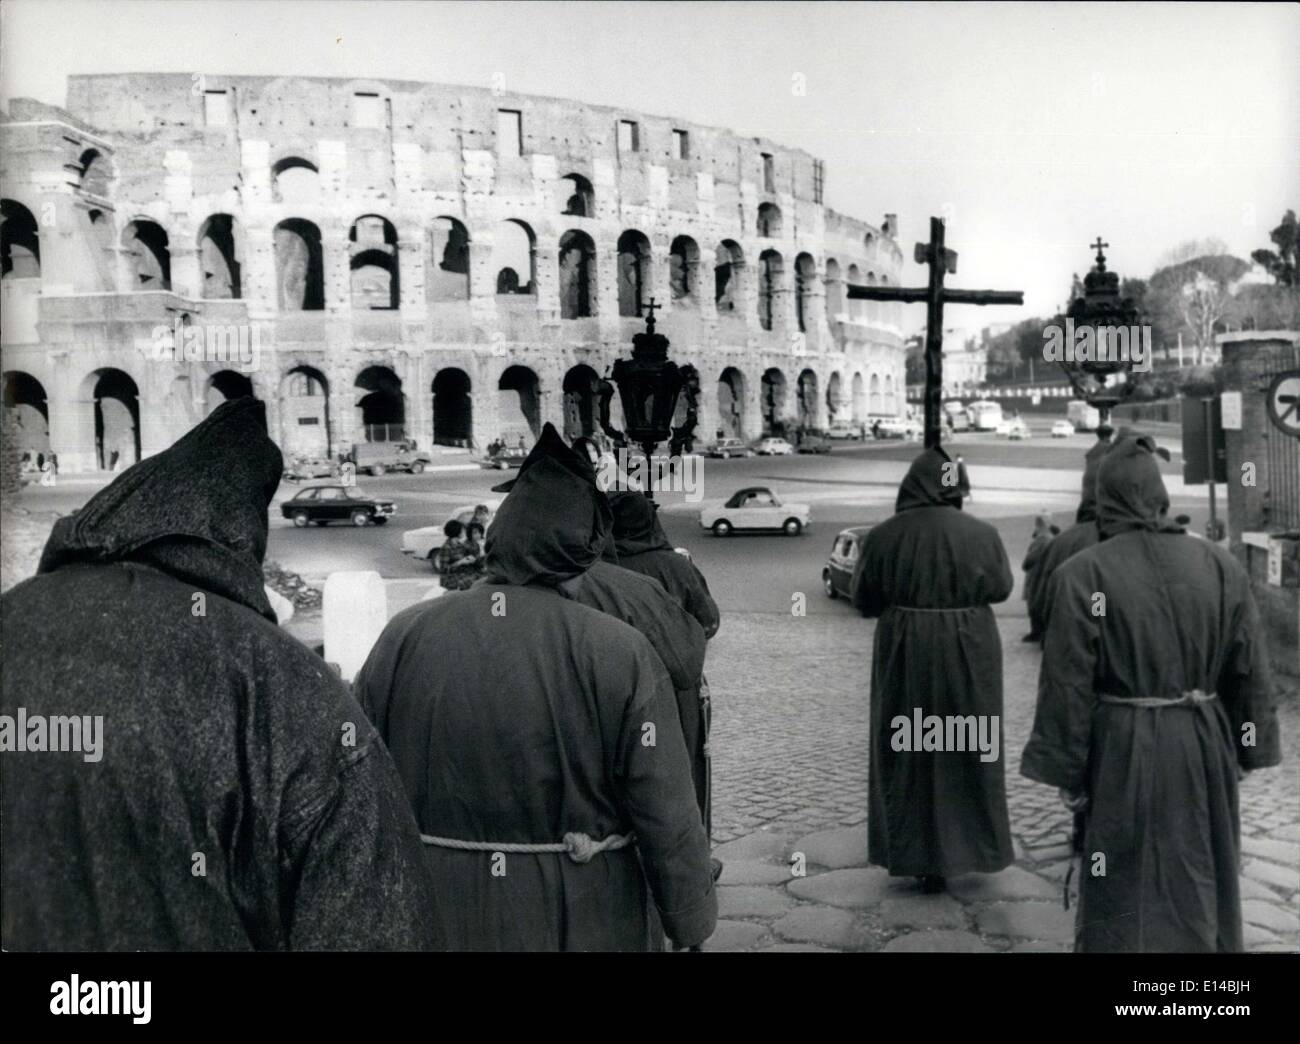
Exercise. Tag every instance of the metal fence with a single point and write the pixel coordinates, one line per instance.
(1283, 455)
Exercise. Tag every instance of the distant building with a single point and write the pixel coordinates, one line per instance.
(965, 363)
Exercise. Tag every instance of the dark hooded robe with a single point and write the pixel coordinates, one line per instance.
(1082, 534)
(1123, 717)
(517, 715)
(930, 573)
(242, 800)
(1038, 542)
(643, 547)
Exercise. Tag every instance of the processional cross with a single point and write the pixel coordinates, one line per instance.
(940, 260)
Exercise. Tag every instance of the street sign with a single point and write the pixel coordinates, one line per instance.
(1283, 402)
(1197, 442)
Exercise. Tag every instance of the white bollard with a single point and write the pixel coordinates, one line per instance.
(354, 610)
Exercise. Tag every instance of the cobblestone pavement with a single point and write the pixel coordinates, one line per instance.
(790, 775)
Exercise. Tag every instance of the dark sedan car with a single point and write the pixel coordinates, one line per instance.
(837, 575)
(813, 444)
(326, 504)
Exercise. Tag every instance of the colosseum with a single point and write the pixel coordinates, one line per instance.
(382, 260)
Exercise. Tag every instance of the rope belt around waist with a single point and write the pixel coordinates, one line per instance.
(1187, 699)
(919, 609)
(576, 845)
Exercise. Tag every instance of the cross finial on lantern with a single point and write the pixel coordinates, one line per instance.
(649, 310)
(1101, 258)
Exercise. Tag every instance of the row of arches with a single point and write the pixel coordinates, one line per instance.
(375, 268)
(307, 424)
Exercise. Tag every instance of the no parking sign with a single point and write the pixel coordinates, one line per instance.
(1283, 401)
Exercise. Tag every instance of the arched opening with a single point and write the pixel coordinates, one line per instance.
(834, 290)
(869, 244)
(117, 420)
(372, 257)
(580, 401)
(891, 406)
(514, 259)
(807, 400)
(633, 272)
(871, 309)
(381, 405)
(769, 221)
(299, 266)
(684, 270)
(519, 406)
(731, 404)
(29, 410)
(305, 429)
(859, 398)
(773, 400)
(834, 397)
(225, 385)
(855, 304)
(577, 197)
(92, 172)
(728, 277)
(805, 275)
(219, 258)
(449, 249)
(20, 242)
(771, 274)
(875, 405)
(577, 276)
(453, 416)
(148, 254)
(295, 180)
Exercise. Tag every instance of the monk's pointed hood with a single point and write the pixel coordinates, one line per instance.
(1087, 511)
(1131, 494)
(924, 484)
(636, 524)
(554, 522)
(196, 511)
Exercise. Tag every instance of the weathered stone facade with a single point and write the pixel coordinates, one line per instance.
(399, 259)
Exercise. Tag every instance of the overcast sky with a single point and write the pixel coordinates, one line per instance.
(1032, 128)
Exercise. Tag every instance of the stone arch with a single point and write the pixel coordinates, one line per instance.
(453, 407)
(149, 255)
(875, 404)
(859, 398)
(731, 403)
(299, 266)
(305, 429)
(805, 276)
(295, 180)
(684, 270)
(834, 290)
(221, 250)
(225, 385)
(116, 405)
(578, 198)
(807, 399)
(634, 272)
(519, 405)
(773, 401)
(769, 221)
(381, 406)
(580, 402)
(578, 284)
(514, 258)
(771, 282)
(834, 397)
(449, 253)
(373, 260)
(93, 172)
(891, 405)
(855, 306)
(20, 242)
(28, 407)
(729, 277)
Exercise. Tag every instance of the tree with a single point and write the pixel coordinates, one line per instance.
(1192, 297)
(1282, 264)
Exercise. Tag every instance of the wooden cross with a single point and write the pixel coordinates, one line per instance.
(649, 309)
(940, 260)
(1099, 246)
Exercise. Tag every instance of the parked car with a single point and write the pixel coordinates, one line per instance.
(378, 458)
(956, 414)
(897, 428)
(326, 504)
(813, 444)
(773, 447)
(1062, 429)
(1018, 429)
(837, 574)
(725, 448)
(844, 430)
(503, 459)
(755, 507)
(423, 543)
(300, 468)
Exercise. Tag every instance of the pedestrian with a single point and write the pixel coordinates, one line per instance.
(643, 547)
(239, 799)
(931, 574)
(1042, 535)
(538, 736)
(459, 560)
(1148, 711)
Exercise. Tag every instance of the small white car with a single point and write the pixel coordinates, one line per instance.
(1062, 429)
(423, 543)
(755, 507)
(898, 428)
(727, 448)
(1017, 430)
(772, 447)
(844, 430)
